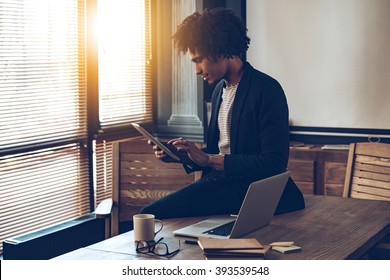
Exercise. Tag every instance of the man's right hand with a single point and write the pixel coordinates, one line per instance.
(160, 154)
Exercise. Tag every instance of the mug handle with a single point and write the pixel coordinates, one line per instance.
(158, 221)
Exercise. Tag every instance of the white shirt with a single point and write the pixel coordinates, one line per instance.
(224, 119)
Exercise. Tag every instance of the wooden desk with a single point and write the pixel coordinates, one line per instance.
(329, 228)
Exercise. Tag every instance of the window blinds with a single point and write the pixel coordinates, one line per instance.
(42, 187)
(44, 165)
(125, 93)
(44, 180)
(42, 72)
(103, 166)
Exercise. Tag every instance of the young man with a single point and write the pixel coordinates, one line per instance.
(248, 135)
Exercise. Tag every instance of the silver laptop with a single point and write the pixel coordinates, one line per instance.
(256, 211)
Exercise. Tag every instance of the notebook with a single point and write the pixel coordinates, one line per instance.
(256, 211)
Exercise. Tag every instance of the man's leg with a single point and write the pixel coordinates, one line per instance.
(207, 196)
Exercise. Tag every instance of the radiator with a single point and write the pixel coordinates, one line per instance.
(55, 240)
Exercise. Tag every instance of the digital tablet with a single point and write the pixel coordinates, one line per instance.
(155, 141)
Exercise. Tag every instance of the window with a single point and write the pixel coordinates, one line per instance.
(125, 75)
(124, 62)
(125, 91)
(43, 117)
(46, 147)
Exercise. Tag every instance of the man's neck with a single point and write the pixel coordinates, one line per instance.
(235, 71)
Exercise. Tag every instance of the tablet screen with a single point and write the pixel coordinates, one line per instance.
(155, 141)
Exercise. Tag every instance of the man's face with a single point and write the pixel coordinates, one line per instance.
(211, 71)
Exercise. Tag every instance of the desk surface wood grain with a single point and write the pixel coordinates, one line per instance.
(328, 228)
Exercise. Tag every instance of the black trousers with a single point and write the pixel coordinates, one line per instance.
(212, 194)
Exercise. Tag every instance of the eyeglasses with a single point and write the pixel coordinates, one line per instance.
(156, 247)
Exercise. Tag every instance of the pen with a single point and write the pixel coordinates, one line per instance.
(192, 242)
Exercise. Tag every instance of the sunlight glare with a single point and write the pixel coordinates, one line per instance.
(121, 57)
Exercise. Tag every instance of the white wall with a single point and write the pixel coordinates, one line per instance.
(332, 58)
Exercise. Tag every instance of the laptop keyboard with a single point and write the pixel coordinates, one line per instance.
(223, 230)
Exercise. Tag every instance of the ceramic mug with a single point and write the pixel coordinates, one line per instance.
(145, 227)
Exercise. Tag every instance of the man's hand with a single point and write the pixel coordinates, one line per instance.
(160, 154)
(197, 155)
(193, 152)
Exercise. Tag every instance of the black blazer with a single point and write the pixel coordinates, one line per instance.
(259, 140)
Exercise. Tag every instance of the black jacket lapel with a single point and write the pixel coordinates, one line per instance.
(213, 132)
(239, 100)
